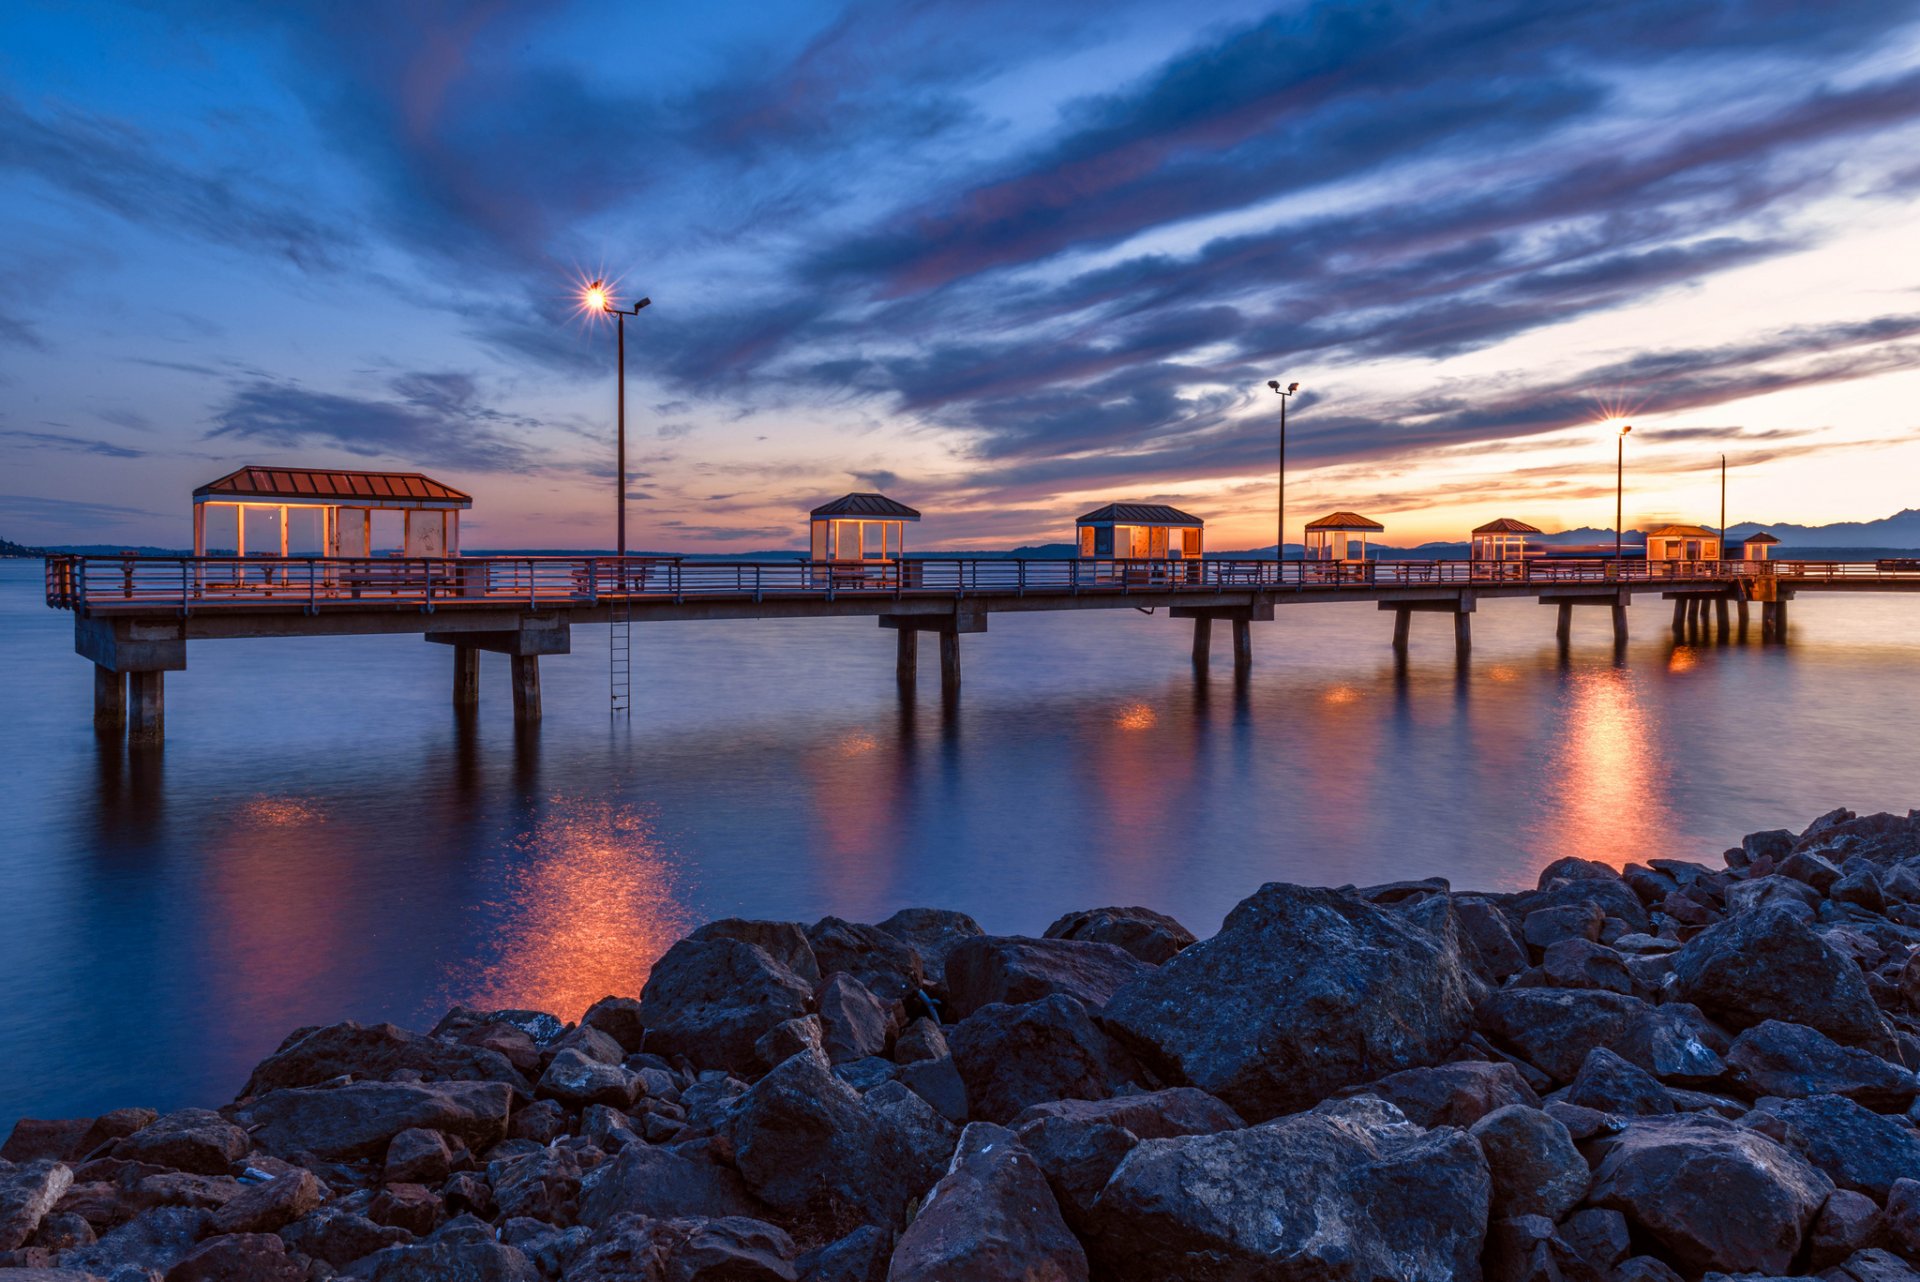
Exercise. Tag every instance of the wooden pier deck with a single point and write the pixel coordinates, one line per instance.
(133, 616)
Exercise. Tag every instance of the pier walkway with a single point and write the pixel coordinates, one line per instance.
(133, 615)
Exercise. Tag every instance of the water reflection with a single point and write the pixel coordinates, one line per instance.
(589, 900)
(1607, 778)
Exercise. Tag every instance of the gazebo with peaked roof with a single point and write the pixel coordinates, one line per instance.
(860, 527)
(337, 505)
(1683, 543)
(1758, 546)
(1141, 532)
(1502, 540)
(1340, 536)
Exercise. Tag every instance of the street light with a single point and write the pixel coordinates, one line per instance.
(1619, 493)
(1280, 525)
(597, 298)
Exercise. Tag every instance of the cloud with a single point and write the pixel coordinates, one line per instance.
(68, 444)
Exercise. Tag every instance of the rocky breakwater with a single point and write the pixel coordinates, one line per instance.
(1675, 1071)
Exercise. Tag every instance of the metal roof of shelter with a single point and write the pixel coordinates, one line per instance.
(1344, 521)
(1760, 536)
(332, 486)
(1507, 525)
(1140, 514)
(870, 506)
(1681, 532)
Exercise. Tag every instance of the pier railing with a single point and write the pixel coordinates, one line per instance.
(190, 584)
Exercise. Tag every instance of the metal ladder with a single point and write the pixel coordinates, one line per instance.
(620, 655)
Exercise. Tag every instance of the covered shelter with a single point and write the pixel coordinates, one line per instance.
(1682, 543)
(1340, 536)
(1141, 532)
(1502, 540)
(1758, 547)
(336, 507)
(860, 527)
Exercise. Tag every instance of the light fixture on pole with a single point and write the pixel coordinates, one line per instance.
(1723, 507)
(597, 298)
(1280, 523)
(1619, 493)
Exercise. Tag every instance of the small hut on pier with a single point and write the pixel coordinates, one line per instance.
(1758, 547)
(1340, 536)
(1141, 532)
(1682, 543)
(1502, 540)
(860, 527)
(334, 509)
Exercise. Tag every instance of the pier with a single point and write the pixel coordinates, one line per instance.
(135, 615)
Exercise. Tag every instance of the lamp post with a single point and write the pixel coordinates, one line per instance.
(1619, 494)
(598, 297)
(1280, 523)
(1723, 508)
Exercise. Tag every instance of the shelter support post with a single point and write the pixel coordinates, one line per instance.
(526, 687)
(109, 700)
(466, 676)
(1202, 640)
(906, 656)
(146, 706)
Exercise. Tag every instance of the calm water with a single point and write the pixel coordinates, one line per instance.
(319, 839)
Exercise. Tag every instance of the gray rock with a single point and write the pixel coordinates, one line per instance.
(1457, 1094)
(340, 1236)
(662, 1184)
(1554, 1029)
(1675, 1178)
(938, 1082)
(1298, 1199)
(860, 1256)
(1152, 937)
(1545, 927)
(1794, 1061)
(931, 933)
(361, 1119)
(1861, 889)
(1526, 1248)
(463, 1259)
(270, 1207)
(576, 1081)
(1581, 963)
(376, 1051)
(712, 999)
(1488, 939)
(1810, 868)
(28, 1190)
(155, 1239)
(927, 1136)
(1078, 1143)
(1795, 897)
(1536, 1170)
(619, 1018)
(854, 1023)
(1874, 1265)
(1859, 1149)
(1769, 965)
(921, 1040)
(724, 1250)
(191, 1139)
(1644, 1268)
(1010, 969)
(1847, 1224)
(889, 968)
(1612, 1085)
(1301, 993)
(415, 1157)
(789, 1038)
(1598, 1236)
(255, 1257)
(784, 941)
(991, 1217)
(1010, 1057)
(543, 1185)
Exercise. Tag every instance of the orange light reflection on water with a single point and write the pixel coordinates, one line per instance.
(590, 903)
(1608, 803)
(1137, 716)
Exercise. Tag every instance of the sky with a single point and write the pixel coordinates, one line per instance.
(1002, 261)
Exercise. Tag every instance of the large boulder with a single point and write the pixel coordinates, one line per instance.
(1857, 1148)
(1536, 1169)
(467, 1256)
(1302, 992)
(860, 1256)
(239, 1257)
(662, 1184)
(889, 968)
(990, 1218)
(191, 1139)
(28, 1190)
(154, 1239)
(1350, 1190)
(784, 941)
(1680, 1179)
(712, 999)
(270, 1207)
(1011, 1057)
(1078, 1143)
(360, 1119)
(70, 1139)
(1488, 939)
(1794, 1061)
(691, 1250)
(1609, 1084)
(931, 933)
(1452, 1094)
(1012, 969)
(1152, 937)
(854, 1024)
(377, 1051)
(1770, 965)
(1555, 1029)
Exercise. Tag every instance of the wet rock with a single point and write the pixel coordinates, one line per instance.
(1296, 1200)
(854, 1023)
(1011, 1057)
(270, 1207)
(1545, 927)
(1675, 1178)
(1452, 1094)
(784, 941)
(239, 1257)
(1302, 992)
(340, 1236)
(576, 1081)
(1598, 1236)
(931, 933)
(723, 1250)
(191, 1139)
(1488, 939)
(1152, 937)
(1859, 1149)
(156, 1239)
(711, 1000)
(361, 1119)
(415, 1156)
(1078, 1143)
(990, 1217)
(1612, 1085)
(28, 1191)
(1769, 965)
(1011, 970)
(1794, 1061)
(662, 1184)
(889, 968)
(1847, 1224)
(376, 1051)
(619, 1018)
(1535, 1168)
(789, 1038)
(806, 1145)
(860, 1256)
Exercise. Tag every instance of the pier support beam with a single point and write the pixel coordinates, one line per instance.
(466, 677)
(1741, 607)
(1240, 618)
(906, 657)
(146, 706)
(1563, 628)
(950, 663)
(949, 626)
(1721, 620)
(1460, 607)
(109, 700)
(526, 687)
(1203, 640)
(1679, 616)
(1242, 644)
(1402, 629)
(1780, 620)
(1619, 622)
(1462, 633)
